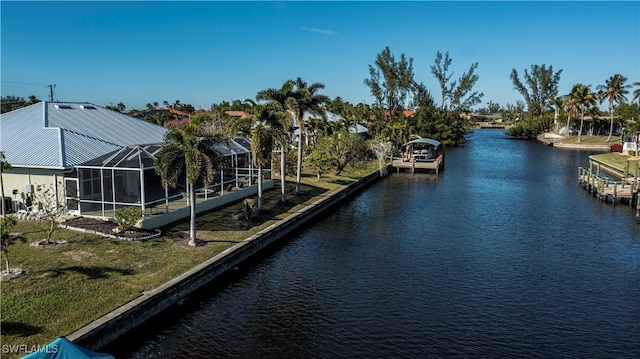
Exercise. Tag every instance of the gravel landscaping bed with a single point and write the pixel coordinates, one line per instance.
(105, 228)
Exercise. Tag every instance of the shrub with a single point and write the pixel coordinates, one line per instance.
(128, 217)
(632, 153)
(249, 209)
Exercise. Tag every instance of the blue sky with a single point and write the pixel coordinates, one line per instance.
(207, 52)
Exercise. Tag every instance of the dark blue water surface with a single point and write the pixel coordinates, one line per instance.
(502, 255)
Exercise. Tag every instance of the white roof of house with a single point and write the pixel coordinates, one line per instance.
(331, 117)
(60, 135)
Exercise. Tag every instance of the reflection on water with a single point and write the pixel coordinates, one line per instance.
(502, 255)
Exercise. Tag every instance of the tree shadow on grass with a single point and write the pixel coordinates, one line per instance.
(93, 272)
(20, 329)
(341, 182)
(222, 218)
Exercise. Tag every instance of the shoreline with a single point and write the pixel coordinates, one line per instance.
(120, 321)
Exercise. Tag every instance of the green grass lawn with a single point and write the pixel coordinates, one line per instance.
(70, 285)
(613, 158)
(592, 140)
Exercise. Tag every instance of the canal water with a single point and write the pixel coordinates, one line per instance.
(501, 255)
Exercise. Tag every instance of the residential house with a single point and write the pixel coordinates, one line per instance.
(99, 160)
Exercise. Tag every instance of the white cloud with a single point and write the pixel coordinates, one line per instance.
(319, 31)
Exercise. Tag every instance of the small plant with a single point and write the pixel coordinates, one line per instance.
(49, 209)
(632, 153)
(6, 225)
(127, 217)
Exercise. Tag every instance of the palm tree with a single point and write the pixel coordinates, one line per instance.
(557, 104)
(274, 113)
(261, 149)
(583, 99)
(614, 90)
(571, 107)
(636, 92)
(262, 140)
(305, 99)
(190, 148)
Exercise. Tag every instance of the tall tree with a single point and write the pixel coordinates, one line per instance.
(582, 97)
(542, 83)
(261, 149)
(614, 90)
(458, 94)
(191, 149)
(571, 106)
(558, 104)
(275, 113)
(305, 98)
(391, 81)
(262, 141)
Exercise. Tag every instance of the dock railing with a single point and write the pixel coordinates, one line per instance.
(605, 188)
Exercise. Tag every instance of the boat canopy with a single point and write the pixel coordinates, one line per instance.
(429, 141)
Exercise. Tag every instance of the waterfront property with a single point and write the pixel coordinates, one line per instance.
(422, 154)
(98, 160)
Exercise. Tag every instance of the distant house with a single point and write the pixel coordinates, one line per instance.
(99, 160)
(241, 115)
(161, 115)
(331, 117)
(494, 117)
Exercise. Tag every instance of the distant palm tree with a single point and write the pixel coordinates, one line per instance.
(558, 104)
(636, 92)
(584, 100)
(190, 148)
(571, 107)
(614, 90)
(305, 99)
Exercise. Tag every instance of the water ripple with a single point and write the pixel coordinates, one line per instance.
(501, 256)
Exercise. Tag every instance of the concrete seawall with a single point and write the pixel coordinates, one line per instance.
(104, 330)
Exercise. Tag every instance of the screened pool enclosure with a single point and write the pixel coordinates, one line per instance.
(127, 177)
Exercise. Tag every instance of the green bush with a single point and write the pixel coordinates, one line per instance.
(632, 153)
(249, 209)
(128, 217)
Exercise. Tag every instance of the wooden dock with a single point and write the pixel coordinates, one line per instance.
(413, 164)
(609, 190)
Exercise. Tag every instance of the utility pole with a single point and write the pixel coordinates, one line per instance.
(51, 87)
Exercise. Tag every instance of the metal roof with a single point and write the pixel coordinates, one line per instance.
(134, 157)
(64, 134)
(424, 140)
(331, 117)
(144, 156)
